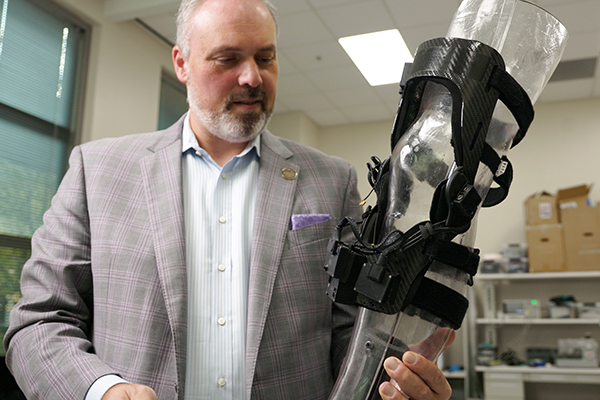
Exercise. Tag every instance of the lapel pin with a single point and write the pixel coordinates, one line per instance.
(289, 174)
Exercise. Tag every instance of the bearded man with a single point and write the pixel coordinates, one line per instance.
(187, 263)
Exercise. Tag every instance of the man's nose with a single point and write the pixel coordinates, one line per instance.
(250, 74)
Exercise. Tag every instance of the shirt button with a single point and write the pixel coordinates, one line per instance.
(221, 382)
(222, 220)
(221, 321)
(224, 175)
(198, 153)
(221, 268)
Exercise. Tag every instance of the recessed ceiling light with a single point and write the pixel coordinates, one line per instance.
(380, 56)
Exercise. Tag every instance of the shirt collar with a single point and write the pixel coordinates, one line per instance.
(189, 141)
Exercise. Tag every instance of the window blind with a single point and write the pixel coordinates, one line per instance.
(41, 60)
(38, 57)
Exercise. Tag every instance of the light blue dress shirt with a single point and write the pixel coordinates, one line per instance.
(219, 215)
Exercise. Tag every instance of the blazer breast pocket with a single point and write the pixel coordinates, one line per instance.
(311, 233)
(301, 273)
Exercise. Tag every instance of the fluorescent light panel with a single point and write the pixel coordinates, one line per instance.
(380, 56)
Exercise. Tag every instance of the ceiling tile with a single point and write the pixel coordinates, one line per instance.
(413, 37)
(326, 54)
(390, 95)
(582, 45)
(364, 95)
(374, 112)
(294, 84)
(337, 78)
(419, 13)
(301, 28)
(329, 3)
(285, 65)
(578, 17)
(567, 90)
(310, 28)
(353, 19)
(290, 6)
(545, 3)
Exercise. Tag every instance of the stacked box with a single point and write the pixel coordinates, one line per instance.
(581, 225)
(544, 234)
(541, 209)
(563, 231)
(545, 248)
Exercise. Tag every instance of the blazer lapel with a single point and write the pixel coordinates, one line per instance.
(274, 201)
(161, 174)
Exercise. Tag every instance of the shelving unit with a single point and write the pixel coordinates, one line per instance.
(508, 382)
(461, 381)
(537, 321)
(455, 374)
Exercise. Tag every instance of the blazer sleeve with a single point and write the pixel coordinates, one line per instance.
(47, 343)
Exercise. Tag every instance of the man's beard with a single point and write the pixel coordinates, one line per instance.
(226, 125)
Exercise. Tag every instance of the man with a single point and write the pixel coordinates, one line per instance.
(171, 266)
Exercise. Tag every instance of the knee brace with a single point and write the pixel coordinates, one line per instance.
(386, 272)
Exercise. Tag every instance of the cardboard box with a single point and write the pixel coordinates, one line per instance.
(563, 230)
(573, 198)
(541, 209)
(581, 228)
(582, 237)
(545, 248)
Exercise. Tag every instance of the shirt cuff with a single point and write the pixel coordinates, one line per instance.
(101, 386)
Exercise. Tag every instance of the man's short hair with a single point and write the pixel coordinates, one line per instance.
(184, 18)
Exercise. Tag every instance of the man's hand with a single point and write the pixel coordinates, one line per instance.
(128, 391)
(418, 378)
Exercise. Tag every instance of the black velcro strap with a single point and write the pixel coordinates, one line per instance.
(404, 268)
(452, 254)
(441, 301)
(388, 283)
(516, 99)
(503, 175)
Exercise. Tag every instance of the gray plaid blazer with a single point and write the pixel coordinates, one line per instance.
(105, 289)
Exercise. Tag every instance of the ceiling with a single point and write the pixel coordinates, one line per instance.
(319, 79)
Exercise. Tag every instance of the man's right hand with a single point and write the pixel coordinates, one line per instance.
(129, 391)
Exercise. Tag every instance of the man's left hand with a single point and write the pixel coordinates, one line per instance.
(419, 378)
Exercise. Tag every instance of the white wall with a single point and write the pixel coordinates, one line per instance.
(296, 126)
(560, 150)
(123, 82)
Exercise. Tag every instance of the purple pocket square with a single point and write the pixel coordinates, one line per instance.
(303, 220)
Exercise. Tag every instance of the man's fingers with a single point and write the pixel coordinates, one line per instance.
(129, 391)
(419, 378)
(389, 391)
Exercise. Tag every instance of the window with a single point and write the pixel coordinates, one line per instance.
(42, 59)
(173, 101)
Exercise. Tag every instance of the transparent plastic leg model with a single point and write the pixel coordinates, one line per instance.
(531, 42)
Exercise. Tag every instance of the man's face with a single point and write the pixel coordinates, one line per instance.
(231, 71)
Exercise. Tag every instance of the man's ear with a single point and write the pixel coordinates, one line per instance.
(180, 64)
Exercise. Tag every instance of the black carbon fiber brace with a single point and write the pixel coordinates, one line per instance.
(387, 274)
